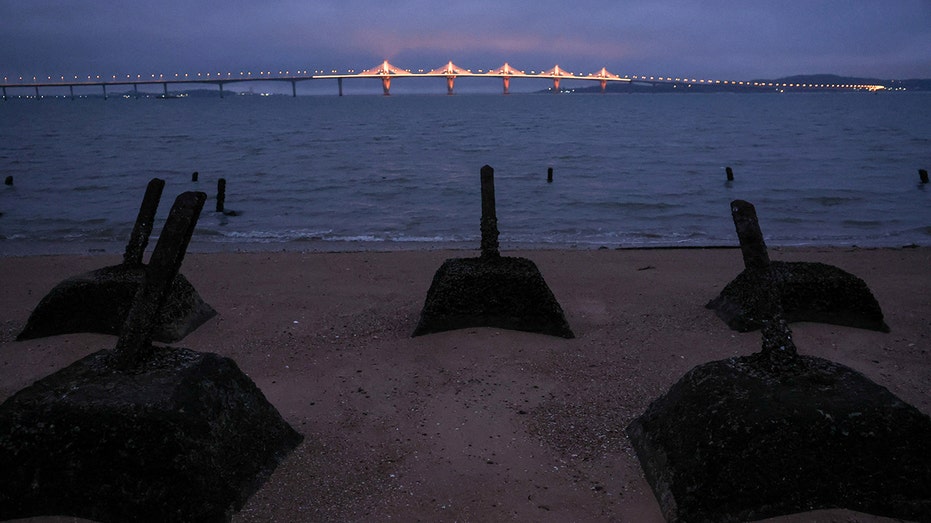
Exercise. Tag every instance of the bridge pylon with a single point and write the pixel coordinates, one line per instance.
(556, 73)
(450, 71)
(603, 74)
(385, 71)
(505, 72)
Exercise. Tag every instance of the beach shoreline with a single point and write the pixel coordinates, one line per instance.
(478, 424)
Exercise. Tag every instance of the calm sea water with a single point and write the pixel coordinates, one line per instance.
(329, 172)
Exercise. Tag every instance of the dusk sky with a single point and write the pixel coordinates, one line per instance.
(711, 39)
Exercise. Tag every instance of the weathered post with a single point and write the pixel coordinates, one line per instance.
(730, 174)
(8, 180)
(549, 175)
(221, 194)
(751, 237)
(491, 290)
(194, 176)
(489, 223)
(923, 174)
(139, 238)
(135, 342)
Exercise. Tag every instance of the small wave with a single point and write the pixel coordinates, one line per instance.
(832, 201)
(285, 235)
(91, 188)
(863, 224)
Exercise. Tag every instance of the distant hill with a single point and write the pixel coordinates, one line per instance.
(812, 79)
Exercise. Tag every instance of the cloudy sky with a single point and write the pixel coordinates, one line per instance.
(708, 38)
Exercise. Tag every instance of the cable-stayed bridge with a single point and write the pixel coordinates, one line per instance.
(384, 72)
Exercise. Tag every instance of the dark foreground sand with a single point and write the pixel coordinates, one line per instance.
(479, 424)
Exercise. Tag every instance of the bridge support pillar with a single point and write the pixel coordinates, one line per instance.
(293, 89)
(450, 80)
(104, 91)
(165, 88)
(507, 84)
(339, 82)
(37, 92)
(136, 91)
(221, 88)
(556, 85)
(386, 84)
(71, 90)
(4, 93)
(604, 85)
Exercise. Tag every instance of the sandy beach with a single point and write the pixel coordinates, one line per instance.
(479, 424)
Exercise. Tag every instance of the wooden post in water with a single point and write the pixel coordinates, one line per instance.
(194, 176)
(549, 175)
(135, 343)
(8, 180)
(751, 237)
(923, 175)
(489, 225)
(730, 174)
(221, 194)
(139, 238)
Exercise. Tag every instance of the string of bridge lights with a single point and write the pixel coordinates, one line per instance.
(304, 74)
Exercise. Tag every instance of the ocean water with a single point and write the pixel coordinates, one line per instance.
(361, 172)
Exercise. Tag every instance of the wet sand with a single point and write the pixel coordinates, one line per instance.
(478, 424)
